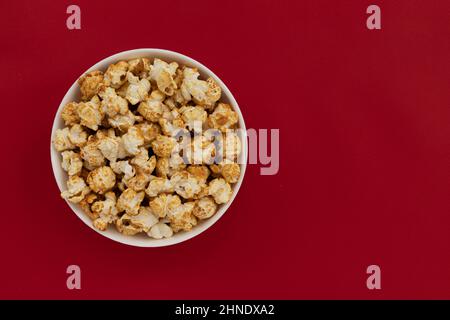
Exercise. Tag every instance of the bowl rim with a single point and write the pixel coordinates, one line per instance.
(112, 233)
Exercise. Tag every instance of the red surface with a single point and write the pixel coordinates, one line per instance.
(364, 176)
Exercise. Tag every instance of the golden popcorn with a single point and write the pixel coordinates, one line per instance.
(76, 189)
(101, 179)
(116, 74)
(182, 218)
(137, 89)
(205, 208)
(69, 113)
(163, 146)
(163, 74)
(132, 140)
(71, 162)
(165, 203)
(220, 190)
(223, 117)
(136, 152)
(158, 185)
(90, 84)
(130, 201)
(160, 230)
(185, 184)
(105, 210)
(90, 113)
(61, 140)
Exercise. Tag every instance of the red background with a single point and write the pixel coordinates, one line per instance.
(364, 174)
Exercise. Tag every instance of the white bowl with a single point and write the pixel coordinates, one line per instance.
(74, 95)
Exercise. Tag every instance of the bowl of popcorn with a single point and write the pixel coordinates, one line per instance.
(148, 147)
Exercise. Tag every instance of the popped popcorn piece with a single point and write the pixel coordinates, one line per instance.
(192, 87)
(159, 231)
(164, 203)
(212, 94)
(132, 140)
(149, 130)
(69, 114)
(116, 74)
(106, 211)
(90, 84)
(77, 135)
(112, 147)
(123, 167)
(152, 108)
(101, 179)
(163, 74)
(143, 162)
(122, 121)
(86, 203)
(194, 117)
(139, 67)
(112, 104)
(166, 167)
(185, 184)
(144, 220)
(76, 189)
(231, 172)
(124, 226)
(71, 162)
(158, 185)
(90, 113)
(172, 127)
(61, 140)
(138, 182)
(200, 172)
(201, 150)
(92, 154)
(223, 117)
(162, 146)
(130, 201)
(137, 89)
(205, 208)
(181, 218)
(220, 190)
(231, 145)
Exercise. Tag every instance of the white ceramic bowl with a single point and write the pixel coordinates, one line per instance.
(73, 94)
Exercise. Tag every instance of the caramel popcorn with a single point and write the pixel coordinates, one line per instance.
(158, 185)
(136, 151)
(160, 230)
(163, 74)
(77, 135)
(132, 140)
(223, 117)
(101, 179)
(112, 103)
(90, 113)
(185, 184)
(205, 208)
(164, 203)
(76, 189)
(130, 201)
(105, 210)
(116, 74)
(220, 190)
(90, 84)
(61, 140)
(137, 89)
(71, 162)
(162, 146)
(69, 114)
(181, 218)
